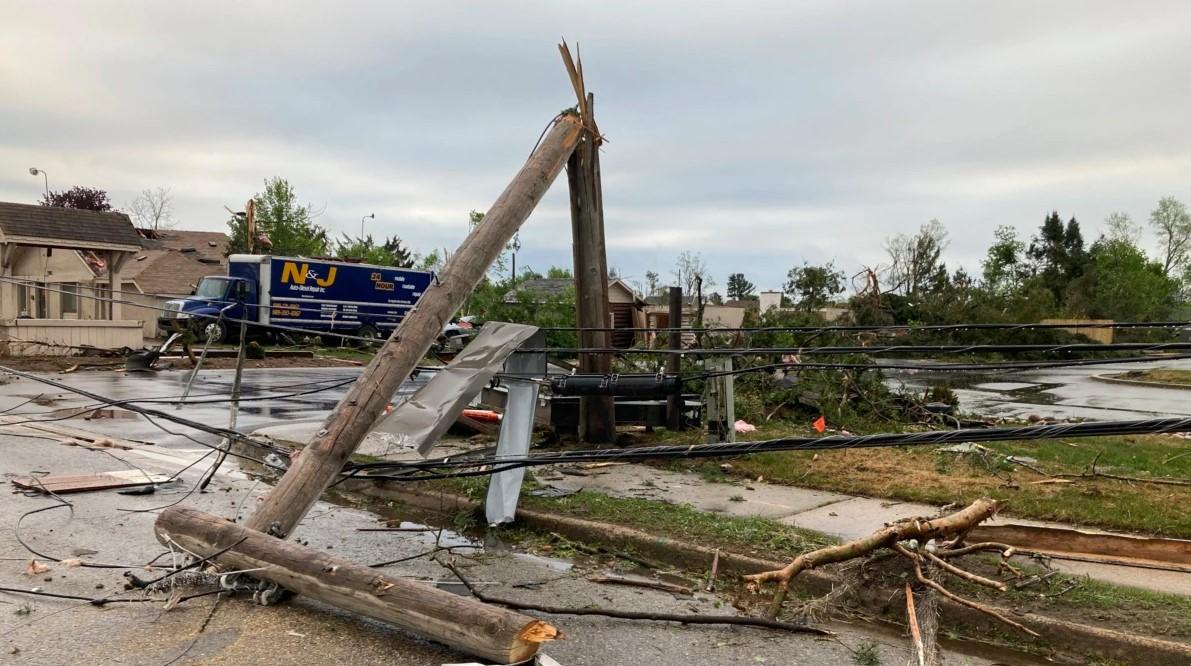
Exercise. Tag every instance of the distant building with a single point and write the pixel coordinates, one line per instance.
(625, 306)
(770, 300)
(657, 316)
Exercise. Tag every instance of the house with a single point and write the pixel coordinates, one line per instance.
(657, 315)
(56, 268)
(169, 265)
(624, 304)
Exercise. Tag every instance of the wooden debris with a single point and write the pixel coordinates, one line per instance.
(486, 631)
(640, 581)
(78, 483)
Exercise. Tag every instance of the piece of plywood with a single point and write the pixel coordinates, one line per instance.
(60, 484)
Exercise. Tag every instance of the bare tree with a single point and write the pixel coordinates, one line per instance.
(153, 209)
(1121, 227)
(689, 271)
(1172, 223)
(916, 259)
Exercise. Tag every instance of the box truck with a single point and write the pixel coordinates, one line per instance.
(314, 295)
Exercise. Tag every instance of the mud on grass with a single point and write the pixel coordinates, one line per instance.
(930, 475)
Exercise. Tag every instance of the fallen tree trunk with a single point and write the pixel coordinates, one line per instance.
(494, 633)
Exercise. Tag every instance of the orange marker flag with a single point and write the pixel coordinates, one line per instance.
(820, 424)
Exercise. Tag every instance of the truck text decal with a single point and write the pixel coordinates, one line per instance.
(292, 274)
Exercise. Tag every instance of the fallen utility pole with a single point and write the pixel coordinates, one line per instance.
(354, 416)
(491, 632)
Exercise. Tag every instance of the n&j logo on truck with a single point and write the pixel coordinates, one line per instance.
(323, 297)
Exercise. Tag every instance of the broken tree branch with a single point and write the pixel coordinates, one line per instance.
(920, 529)
(966, 575)
(961, 600)
(633, 581)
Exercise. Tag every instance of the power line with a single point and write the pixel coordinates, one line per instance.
(479, 466)
(863, 328)
(874, 350)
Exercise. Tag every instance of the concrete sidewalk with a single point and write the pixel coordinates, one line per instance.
(843, 516)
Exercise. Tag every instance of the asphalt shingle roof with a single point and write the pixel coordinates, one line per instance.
(67, 227)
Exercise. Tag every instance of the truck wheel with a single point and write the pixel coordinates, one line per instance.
(368, 331)
(214, 329)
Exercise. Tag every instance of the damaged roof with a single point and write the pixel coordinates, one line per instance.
(50, 226)
(174, 260)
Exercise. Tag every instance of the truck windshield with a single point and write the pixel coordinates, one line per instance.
(211, 287)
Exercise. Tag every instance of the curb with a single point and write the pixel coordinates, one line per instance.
(1109, 379)
(1071, 638)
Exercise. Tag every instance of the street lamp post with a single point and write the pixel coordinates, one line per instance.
(34, 171)
(515, 245)
(373, 216)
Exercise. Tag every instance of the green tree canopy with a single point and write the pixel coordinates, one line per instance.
(389, 253)
(739, 287)
(287, 225)
(1004, 267)
(812, 287)
(1122, 283)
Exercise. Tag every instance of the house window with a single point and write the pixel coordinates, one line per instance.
(42, 296)
(70, 298)
(22, 299)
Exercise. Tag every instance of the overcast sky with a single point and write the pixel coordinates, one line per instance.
(758, 134)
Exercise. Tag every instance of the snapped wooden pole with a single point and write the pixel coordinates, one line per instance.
(674, 418)
(324, 457)
(597, 416)
(494, 633)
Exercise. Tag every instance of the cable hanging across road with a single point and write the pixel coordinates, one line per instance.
(481, 466)
(875, 350)
(865, 328)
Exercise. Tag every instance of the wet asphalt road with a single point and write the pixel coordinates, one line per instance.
(1059, 393)
(267, 394)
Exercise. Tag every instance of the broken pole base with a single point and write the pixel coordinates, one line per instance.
(462, 623)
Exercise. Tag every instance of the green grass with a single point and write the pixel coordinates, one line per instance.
(346, 353)
(754, 536)
(1160, 375)
(929, 475)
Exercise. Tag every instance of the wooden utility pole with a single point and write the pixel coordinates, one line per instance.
(494, 633)
(674, 361)
(597, 413)
(355, 415)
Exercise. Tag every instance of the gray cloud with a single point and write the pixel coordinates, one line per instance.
(759, 134)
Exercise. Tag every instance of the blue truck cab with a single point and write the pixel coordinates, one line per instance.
(299, 294)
